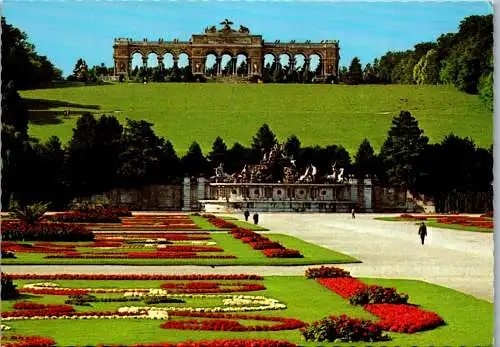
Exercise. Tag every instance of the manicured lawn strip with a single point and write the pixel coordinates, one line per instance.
(435, 224)
(182, 112)
(204, 224)
(246, 255)
(246, 225)
(469, 320)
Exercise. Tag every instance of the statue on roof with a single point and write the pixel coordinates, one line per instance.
(244, 30)
(227, 26)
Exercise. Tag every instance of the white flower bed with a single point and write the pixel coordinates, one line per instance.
(4, 327)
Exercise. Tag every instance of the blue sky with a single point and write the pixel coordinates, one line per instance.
(68, 30)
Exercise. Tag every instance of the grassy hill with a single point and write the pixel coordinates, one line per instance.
(317, 114)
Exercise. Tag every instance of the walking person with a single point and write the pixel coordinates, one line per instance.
(422, 231)
(353, 214)
(256, 218)
(246, 214)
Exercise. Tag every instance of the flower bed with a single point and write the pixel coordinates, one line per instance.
(139, 255)
(343, 286)
(391, 307)
(218, 222)
(97, 216)
(223, 323)
(404, 318)
(17, 231)
(130, 277)
(377, 295)
(211, 287)
(26, 341)
(259, 242)
(326, 272)
(215, 343)
(282, 253)
(343, 329)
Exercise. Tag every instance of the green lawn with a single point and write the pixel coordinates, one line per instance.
(317, 114)
(246, 255)
(435, 224)
(469, 321)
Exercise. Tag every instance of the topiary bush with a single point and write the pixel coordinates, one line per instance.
(343, 329)
(326, 272)
(377, 295)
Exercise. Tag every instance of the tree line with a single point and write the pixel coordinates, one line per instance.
(103, 154)
(463, 59)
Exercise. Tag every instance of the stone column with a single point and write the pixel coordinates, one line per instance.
(160, 62)
(249, 66)
(145, 62)
(367, 194)
(186, 194)
(354, 191)
(218, 62)
(176, 62)
(200, 191)
(306, 63)
(235, 61)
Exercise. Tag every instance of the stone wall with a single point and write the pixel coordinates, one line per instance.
(153, 197)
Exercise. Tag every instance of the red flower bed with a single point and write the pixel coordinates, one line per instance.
(343, 286)
(17, 231)
(29, 313)
(326, 272)
(404, 318)
(55, 291)
(266, 245)
(128, 277)
(282, 253)
(26, 341)
(218, 222)
(97, 216)
(25, 305)
(223, 323)
(139, 255)
(211, 287)
(26, 248)
(191, 249)
(214, 343)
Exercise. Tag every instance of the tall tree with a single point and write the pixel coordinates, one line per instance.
(263, 141)
(365, 160)
(141, 155)
(194, 163)
(401, 149)
(355, 74)
(292, 146)
(218, 154)
(237, 157)
(426, 71)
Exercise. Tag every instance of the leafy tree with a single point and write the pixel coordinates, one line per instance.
(355, 74)
(486, 89)
(142, 154)
(9, 290)
(427, 69)
(81, 71)
(365, 160)
(13, 110)
(194, 163)
(20, 62)
(219, 152)
(369, 74)
(401, 149)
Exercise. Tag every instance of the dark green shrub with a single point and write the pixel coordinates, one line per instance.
(377, 295)
(8, 290)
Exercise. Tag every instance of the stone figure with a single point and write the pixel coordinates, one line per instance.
(244, 30)
(305, 175)
(340, 177)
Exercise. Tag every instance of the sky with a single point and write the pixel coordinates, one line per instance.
(66, 30)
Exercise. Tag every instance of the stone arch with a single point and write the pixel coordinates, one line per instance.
(242, 61)
(285, 59)
(299, 60)
(315, 63)
(227, 62)
(210, 60)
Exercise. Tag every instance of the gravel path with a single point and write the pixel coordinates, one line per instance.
(457, 259)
